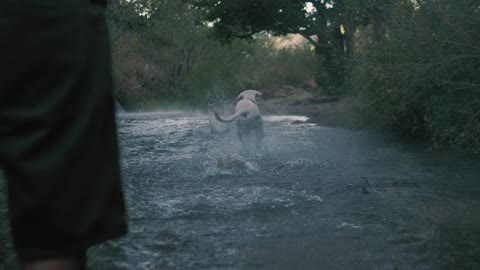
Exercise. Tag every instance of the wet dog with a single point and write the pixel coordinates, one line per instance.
(248, 118)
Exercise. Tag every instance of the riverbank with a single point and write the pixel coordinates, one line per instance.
(321, 110)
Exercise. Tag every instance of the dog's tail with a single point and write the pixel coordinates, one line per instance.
(231, 118)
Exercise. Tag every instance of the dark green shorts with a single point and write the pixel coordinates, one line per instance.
(58, 141)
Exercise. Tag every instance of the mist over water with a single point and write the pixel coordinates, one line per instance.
(314, 198)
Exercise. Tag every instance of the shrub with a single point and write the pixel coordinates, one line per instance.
(423, 77)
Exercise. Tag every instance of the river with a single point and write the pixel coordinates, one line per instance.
(314, 198)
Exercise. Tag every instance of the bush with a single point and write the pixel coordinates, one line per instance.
(423, 77)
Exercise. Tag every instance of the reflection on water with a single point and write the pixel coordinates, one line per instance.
(314, 198)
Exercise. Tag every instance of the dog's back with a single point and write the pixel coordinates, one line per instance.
(247, 117)
(249, 107)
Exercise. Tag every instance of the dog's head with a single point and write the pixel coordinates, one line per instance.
(249, 94)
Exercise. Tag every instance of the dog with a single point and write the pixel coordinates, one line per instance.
(248, 117)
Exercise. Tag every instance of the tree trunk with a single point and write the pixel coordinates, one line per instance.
(377, 18)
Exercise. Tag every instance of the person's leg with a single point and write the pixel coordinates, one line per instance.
(65, 263)
(58, 142)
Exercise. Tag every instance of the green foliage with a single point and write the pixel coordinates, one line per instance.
(328, 25)
(423, 76)
(243, 19)
(165, 58)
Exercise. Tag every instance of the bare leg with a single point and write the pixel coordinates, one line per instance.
(68, 263)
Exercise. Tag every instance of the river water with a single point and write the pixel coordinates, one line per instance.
(314, 198)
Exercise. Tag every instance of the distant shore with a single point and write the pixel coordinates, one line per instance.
(324, 110)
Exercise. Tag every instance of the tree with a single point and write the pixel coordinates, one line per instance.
(328, 25)
(164, 58)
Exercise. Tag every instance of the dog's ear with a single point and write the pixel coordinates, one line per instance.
(240, 97)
